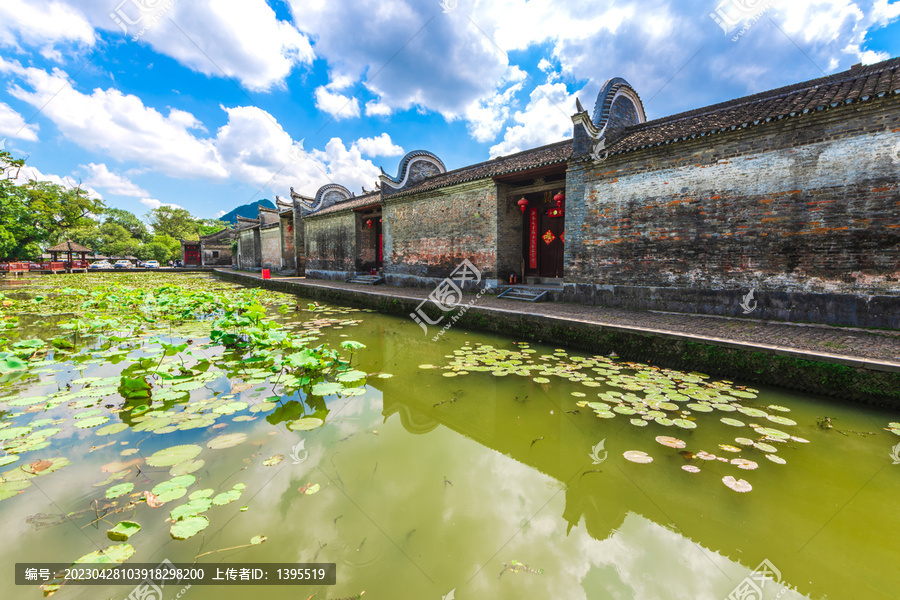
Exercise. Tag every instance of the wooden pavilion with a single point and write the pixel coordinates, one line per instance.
(70, 248)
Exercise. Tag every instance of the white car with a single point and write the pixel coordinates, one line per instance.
(151, 264)
(101, 264)
(123, 264)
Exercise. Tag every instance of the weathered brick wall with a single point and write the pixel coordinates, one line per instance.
(509, 236)
(428, 235)
(223, 258)
(270, 246)
(806, 204)
(330, 244)
(288, 259)
(248, 249)
(299, 238)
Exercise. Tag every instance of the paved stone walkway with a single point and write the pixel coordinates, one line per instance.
(826, 341)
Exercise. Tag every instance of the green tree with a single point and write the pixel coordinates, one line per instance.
(211, 226)
(136, 228)
(173, 222)
(38, 213)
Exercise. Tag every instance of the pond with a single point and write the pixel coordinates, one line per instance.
(180, 418)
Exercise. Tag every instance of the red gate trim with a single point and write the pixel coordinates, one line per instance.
(533, 238)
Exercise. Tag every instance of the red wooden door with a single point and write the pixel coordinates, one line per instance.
(551, 243)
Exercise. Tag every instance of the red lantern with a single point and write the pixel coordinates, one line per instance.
(559, 197)
(369, 223)
(523, 204)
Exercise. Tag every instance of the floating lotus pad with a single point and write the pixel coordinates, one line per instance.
(773, 433)
(671, 442)
(173, 455)
(111, 555)
(309, 489)
(274, 460)
(188, 466)
(637, 456)
(781, 420)
(738, 485)
(753, 412)
(229, 440)
(732, 422)
(119, 490)
(765, 447)
(691, 468)
(190, 509)
(89, 422)
(305, 424)
(638, 422)
(684, 423)
(743, 463)
(775, 459)
(122, 531)
(188, 527)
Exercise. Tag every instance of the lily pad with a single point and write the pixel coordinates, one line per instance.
(732, 422)
(328, 388)
(256, 540)
(305, 424)
(111, 555)
(119, 490)
(781, 420)
(738, 485)
(636, 456)
(91, 422)
(671, 442)
(309, 489)
(228, 440)
(188, 466)
(188, 527)
(226, 497)
(271, 462)
(190, 509)
(122, 531)
(174, 455)
(685, 424)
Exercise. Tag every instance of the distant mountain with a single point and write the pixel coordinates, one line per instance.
(248, 211)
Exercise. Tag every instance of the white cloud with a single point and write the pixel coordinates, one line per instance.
(29, 173)
(152, 203)
(251, 147)
(13, 125)
(243, 39)
(443, 67)
(43, 23)
(377, 109)
(221, 213)
(378, 146)
(101, 177)
(119, 124)
(337, 105)
(487, 116)
(545, 120)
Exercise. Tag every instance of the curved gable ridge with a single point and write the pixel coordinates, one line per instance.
(415, 167)
(329, 195)
(618, 107)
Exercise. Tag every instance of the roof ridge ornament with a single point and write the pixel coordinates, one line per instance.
(414, 167)
(618, 107)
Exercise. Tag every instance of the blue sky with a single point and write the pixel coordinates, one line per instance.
(209, 104)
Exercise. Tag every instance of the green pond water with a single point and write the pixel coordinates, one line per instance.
(473, 467)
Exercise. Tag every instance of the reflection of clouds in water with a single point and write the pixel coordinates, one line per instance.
(639, 560)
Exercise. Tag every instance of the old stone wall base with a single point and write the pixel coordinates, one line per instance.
(793, 307)
(843, 378)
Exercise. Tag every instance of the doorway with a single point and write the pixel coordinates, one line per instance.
(544, 236)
